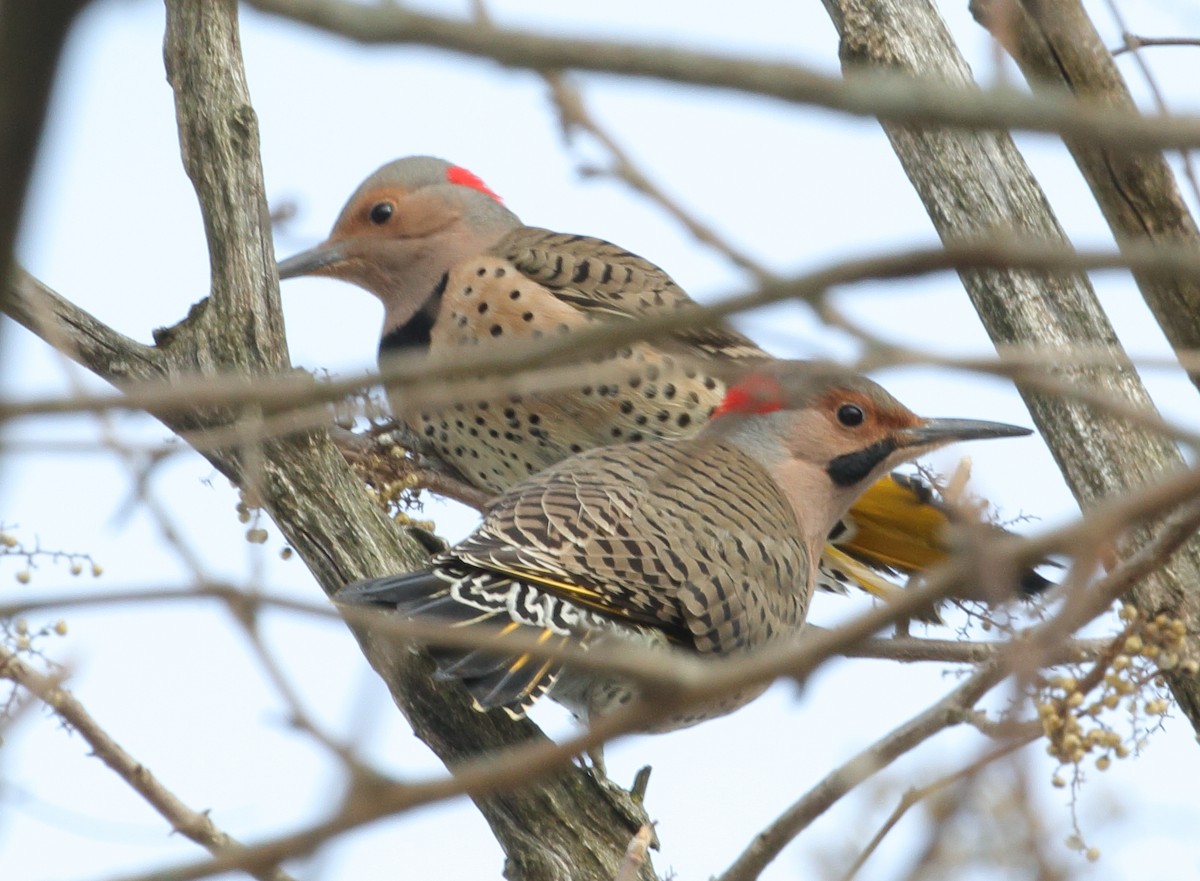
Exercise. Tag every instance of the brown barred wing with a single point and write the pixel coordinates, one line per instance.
(692, 539)
(603, 279)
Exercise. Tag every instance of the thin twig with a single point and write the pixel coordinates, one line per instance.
(1132, 42)
(945, 713)
(573, 115)
(886, 95)
(195, 825)
(423, 383)
(915, 795)
(298, 716)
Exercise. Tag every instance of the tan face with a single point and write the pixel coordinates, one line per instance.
(403, 230)
(855, 420)
(383, 232)
(382, 239)
(394, 213)
(843, 424)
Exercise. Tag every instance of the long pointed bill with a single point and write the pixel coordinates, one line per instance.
(943, 431)
(312, 261)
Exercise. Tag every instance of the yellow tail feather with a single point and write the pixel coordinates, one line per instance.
(896, 525)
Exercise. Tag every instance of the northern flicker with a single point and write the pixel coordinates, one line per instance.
(708, 543)
(454, 267)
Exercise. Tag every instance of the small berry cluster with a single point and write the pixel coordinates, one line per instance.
(250, 514)
(1129, 674)
(11, 546)
(18, 634)
(387, 471)
(1076, 843)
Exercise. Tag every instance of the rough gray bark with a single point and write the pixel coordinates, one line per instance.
(975, 182)
(1057, 47)
(567, 825)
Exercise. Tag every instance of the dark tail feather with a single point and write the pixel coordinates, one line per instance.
(1033, 583)
(495, 680)
(414, 595)
(400, 592)
(516, 683)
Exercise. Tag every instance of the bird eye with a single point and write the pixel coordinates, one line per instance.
(850, 415)
(381, 212)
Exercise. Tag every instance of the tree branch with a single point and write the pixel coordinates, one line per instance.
(194, 825)
(947, 712)
(571, 819)
(573, 116)
(894, 97)
(975, 182)
(549, 363)
(1134, 42)
(1057, 46)
(914, 796)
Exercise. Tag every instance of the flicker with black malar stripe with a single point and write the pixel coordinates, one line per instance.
(709, 543)
(455, 268)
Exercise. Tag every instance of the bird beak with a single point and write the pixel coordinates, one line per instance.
(315, 261)
(935, 432)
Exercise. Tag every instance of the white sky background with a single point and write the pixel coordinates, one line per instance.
(113, 225)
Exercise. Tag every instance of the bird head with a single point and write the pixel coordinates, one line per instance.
(827, 433)
(403, 228)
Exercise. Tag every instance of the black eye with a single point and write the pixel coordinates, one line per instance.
(381, 212)
(850, 415)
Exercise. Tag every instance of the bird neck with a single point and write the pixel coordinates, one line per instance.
(815, 498)
(412, 298)
(817, 501)
(804, 486)
(414, 332)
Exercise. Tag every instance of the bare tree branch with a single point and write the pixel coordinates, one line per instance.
(549, 362)
(977, 181)
(194, 825)
(893, 96)
(629, 661)
(916, 795)
(947, 712)
(1134, 42)
(1056, 45)
(574, 116)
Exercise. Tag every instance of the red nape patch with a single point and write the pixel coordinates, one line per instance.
(754, 395)
(463, 178)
